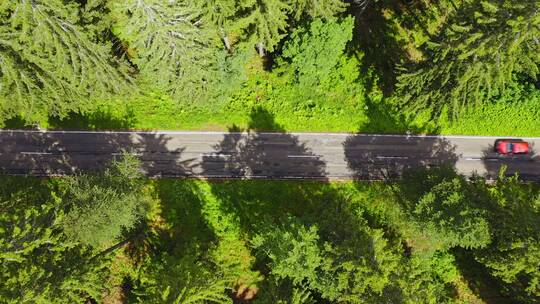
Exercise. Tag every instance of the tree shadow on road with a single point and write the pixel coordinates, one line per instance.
(57, 153)
(249, 154)
(283, 208)
(387, 157)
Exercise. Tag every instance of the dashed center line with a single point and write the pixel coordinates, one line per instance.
(37, 153)
(392, 157)
(302, 156)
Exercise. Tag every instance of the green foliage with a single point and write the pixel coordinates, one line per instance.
(181, 281)
(514, 114)
(446, 209)
(316, 52)
(263, 23)
(514, 255)
(63, 63)
(175, 52)
(296, 255)
(476, 57)
(102, 206)
(449, 212)
(317, 9)
(48, 65)
(164, 41)
(311, 79)
(337, 242)
(38, 264)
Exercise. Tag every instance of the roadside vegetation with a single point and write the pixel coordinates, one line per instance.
(114, 237)
(449, 67)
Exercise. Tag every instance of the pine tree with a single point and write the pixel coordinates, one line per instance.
(485, 46)
(262, 23)
(48, 65)
(184, 280)
(221, 15)
(265, 22)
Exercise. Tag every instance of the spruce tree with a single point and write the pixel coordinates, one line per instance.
(48, 64)
(103, 206)
(482, 50)
(39, 265)
(514, 254)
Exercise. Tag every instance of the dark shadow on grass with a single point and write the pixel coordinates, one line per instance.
(478, 278)
(16, 122)
(97, 120)
(183, 228)
(385, 118)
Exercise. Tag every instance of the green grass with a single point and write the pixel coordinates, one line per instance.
(517, 118)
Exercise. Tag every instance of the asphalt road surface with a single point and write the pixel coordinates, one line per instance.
(257, 155)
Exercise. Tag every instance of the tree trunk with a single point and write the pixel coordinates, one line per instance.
(227, 43)
(225, 39)
(260, 49)
(116, 246)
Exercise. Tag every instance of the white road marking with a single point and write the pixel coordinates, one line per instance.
(214, 154)
(122, 153)
(392, 157)
(36, 153)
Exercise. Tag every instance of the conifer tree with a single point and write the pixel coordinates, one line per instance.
(102, 206)
(263, 23)
(48, 65)
(317, 8)
(485, 46)
(164, 40)
(39, 265)
(514, 255)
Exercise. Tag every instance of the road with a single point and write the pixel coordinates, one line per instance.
(256, 155)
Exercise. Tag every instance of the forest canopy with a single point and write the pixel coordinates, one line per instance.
(422, 65)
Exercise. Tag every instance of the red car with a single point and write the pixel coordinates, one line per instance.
(511, 146)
